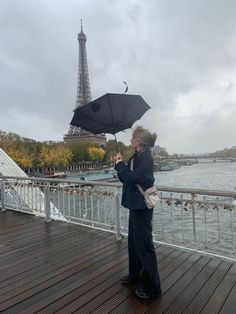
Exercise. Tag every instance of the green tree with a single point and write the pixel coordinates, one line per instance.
(111, 150)
(79, 151)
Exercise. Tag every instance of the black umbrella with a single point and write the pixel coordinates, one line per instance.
(110, 113)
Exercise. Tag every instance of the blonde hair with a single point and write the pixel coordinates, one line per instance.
(145, 138)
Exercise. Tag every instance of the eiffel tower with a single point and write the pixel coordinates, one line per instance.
(77, 134)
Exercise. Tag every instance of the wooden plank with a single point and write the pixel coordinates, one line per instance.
(95, 283)
(65, 268)
(230, 304)
(22, 279)
(57, 279)
(202, 297)
(221, 293)
(88, 303)
(189, 285)
(84, 286)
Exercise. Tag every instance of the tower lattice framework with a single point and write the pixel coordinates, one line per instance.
(83, 95)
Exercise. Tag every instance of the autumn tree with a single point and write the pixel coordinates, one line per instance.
(62, 156)
(59, 156)
(45, 157)
(96, 154)
(16, 148)
(20, 157)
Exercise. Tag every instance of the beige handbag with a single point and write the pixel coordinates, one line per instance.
(151, 196)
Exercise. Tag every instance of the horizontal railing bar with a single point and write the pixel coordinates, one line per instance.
(77, 182)
(94, 227)
(83, 220)
(113, 184)
(197, 191)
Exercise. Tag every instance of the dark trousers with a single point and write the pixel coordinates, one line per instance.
(142, 257)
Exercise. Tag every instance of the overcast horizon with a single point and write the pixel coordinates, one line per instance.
(178, 54)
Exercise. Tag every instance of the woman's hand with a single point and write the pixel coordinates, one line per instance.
(118, 158)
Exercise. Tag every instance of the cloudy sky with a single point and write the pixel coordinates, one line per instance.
(180, 55)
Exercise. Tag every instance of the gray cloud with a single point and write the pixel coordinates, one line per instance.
(180, 55)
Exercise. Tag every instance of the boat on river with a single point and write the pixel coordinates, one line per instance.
(55, 175)
(165, 166)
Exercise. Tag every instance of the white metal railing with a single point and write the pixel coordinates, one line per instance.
(200, 220)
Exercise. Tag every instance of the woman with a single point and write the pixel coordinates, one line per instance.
(142, 258)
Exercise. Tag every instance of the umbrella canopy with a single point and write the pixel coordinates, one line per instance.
(110, 113)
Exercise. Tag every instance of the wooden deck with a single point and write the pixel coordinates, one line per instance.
(65, 268)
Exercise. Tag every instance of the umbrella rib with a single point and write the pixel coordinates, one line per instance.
(99, 122)
(110, 109)
(131, 102)
(92, 119)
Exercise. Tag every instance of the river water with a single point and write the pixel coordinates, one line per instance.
(203, 175)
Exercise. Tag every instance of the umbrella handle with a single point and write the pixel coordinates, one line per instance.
(117, 146)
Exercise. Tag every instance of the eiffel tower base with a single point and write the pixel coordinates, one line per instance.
(89, 138)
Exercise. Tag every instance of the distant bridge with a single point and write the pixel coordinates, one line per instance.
(214, 159)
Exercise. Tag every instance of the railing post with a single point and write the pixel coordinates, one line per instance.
(194, 218)
(232, 223)
(47, 204)
(171, 214)
(182, 216)
(3, 195)
(118, 233)
(218, 220)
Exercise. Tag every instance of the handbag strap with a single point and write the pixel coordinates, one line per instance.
(138, 185)
(140, 189)
(132, 164)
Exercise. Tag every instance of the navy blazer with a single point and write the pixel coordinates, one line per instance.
(142, 174)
